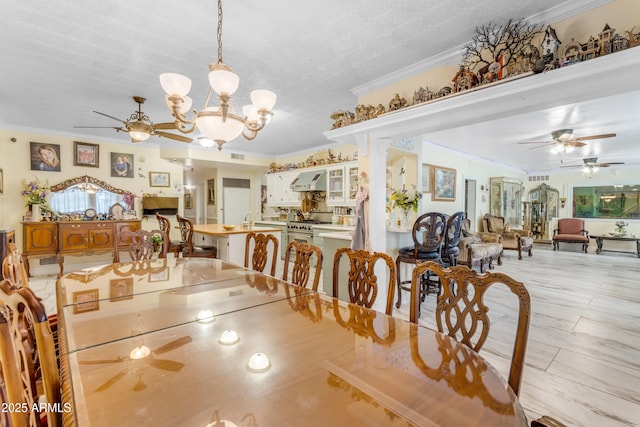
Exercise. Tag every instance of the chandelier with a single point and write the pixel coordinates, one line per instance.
(218, 123)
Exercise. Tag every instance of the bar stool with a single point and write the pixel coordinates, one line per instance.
(428, 235)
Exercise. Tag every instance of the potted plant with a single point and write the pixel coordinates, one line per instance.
(157, 239)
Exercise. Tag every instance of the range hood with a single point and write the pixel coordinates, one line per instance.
(310, 181)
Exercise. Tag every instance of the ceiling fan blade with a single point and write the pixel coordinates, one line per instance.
(573, 166)
(101, 361)
(111, 381)
(539, 146)
(607, 164)
(586, 138)
(173, 345)
(96, 127)
(111, 117)
(537, 142)
(168, 125)
(172, 136)
(167, 365)
(574, 143)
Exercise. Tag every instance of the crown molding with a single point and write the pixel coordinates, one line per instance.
(453, 56)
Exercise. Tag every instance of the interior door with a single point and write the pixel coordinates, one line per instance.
(236, 200)
(470, 201)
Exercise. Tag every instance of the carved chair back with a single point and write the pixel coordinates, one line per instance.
(461, 311)
(259, 256)
(13, 268)
(362, 282)
(428, 232)
(164, 225)
(27, 348)
(139, 244)
(303, 257)
(452, 233)
(186, 232)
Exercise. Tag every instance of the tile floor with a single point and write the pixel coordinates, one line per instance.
(583, 354)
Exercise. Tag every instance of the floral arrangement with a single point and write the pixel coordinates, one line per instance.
(620, 226)
(406, 199)
(34, 192)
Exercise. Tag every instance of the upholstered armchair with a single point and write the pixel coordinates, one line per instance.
(514, 239)
(571, 230)
(478, 249)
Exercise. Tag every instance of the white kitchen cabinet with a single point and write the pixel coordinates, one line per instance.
(279, 191)
(342, 184)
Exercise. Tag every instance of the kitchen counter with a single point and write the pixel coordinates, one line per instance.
(271, 222)
(217, 229)
(333, 227)
(340, 235)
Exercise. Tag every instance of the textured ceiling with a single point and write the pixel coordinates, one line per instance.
(62, 60)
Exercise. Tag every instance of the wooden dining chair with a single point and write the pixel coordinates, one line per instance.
(188, 248)
(139, 244)
(13, 267)
(175, 246)
(259, 256)
(362, 282)
(462, 314)
(546, 421)
(303, 259)
(28, 350)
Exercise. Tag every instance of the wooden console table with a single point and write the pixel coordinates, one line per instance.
(602, 237)
(71, 238)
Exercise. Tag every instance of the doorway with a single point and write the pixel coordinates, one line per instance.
(470, 201)
(236, 200)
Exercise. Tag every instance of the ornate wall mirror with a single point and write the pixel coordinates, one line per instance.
(89, 198)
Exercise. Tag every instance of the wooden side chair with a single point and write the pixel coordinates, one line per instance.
(453, 230)
(28, 354)
(139, 244)
(175, 246)
(259, 256)
(303, 257)
(188, 248)
(428, 237)
(570, 230)
(362, 282)
(462, 314)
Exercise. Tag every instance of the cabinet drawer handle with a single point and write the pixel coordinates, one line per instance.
(75, 226)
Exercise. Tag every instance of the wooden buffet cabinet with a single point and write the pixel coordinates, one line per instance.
(71, 238)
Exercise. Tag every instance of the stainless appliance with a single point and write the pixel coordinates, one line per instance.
(310, 181)
(300, 231)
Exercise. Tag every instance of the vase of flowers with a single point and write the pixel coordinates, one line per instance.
(621, 227)
(35, 195)
(407, 201)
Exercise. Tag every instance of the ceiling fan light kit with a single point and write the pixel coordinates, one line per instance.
(220, 124)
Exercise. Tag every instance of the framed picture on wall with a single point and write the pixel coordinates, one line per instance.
(425, 185)
(187, 201)
(85, 301)
(121, 289)
(122, 165)
(1, 181)
(159, 179)
(86, 154)
(444, 184)
(45, 157)
(211, 192)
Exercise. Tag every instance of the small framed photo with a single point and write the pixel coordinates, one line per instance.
(121, 289)
(122, 165)
(444, 184)
(86, 154)
(159, 276)
(159, 179)
(187, 201)
(211, 192)
(45, 157)
(85, 301)
(425, 186)
(1, 181)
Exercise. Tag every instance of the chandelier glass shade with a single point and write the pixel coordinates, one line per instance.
(219, 123)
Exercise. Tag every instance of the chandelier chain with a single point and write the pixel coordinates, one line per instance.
(220, 32)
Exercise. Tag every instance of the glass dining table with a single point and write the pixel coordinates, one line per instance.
(202, 342)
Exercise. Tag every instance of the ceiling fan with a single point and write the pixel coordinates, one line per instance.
(563, 140)
(138, 364)
(591, 165)
(139, 126)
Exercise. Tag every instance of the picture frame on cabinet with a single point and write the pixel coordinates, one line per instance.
(159, 179)
(85, 301)
(121, 289)
(444, 184)
(45, 157)
(211, 192)
(86, 154)
(425, 186)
